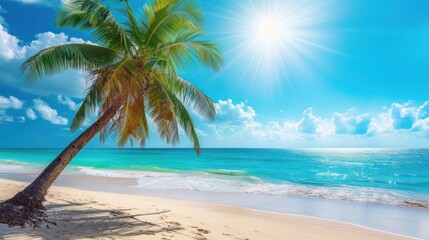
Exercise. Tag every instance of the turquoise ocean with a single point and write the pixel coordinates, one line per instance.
(387, 176)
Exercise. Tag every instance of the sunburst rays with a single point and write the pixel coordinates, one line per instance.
(270, 40)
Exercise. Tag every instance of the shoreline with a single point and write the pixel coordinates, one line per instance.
(125, 216)
(370, 195)
(367, 216)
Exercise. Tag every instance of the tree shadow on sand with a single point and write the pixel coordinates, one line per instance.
(89, 220)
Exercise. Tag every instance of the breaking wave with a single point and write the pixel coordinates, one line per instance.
(238, 182)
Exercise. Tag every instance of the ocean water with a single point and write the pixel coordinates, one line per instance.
(387, 176)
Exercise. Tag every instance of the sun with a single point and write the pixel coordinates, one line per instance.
(268, 39)
(268, 30)
(270, 42)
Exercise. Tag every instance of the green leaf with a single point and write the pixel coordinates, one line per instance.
(69, 56)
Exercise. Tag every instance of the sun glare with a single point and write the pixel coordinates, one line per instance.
(268, 30)
(265, 30)
(273, 39)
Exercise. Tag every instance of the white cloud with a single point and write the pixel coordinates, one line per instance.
(11, 102)
(4, 117)
(48, 113)
(351, 123)
(238, 120)
(393, 126)
(402, 117)
(313, 124)
(31, 114)
(421, 125)
(275, 130)
(309, 125)
(48, 39)
(13, 52)
(68, 102)
(381, 123)
(233, 119)
(226, 111)
(9, 44)
(423, 110)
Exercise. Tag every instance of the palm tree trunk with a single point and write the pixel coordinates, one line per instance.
(27, 205)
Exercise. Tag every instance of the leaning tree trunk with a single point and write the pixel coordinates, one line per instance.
(26, 207)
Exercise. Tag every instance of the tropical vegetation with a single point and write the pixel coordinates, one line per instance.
(133, 82)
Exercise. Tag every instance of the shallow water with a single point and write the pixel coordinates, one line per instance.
(388, 176)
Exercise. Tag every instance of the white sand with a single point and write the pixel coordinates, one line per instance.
(80, 214)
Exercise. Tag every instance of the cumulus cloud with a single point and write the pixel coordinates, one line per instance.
(313, 124)
(9, 45)
(421, 125)
(275, 130)
(13, 52)
(309, 122)
(423, 111)
(11, 102)
(4, 117)
(226, 111)
(309, 125)
(31, 114)
(350, 123)
(402, 117)
(399, 120)
(233, 119)
(68, 102)
(48, 113)
(48, 39)
(239, 120)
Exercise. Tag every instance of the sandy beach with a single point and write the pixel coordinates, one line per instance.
(214, 120)
(82, 214)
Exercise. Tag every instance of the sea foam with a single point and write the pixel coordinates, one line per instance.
(241, 183)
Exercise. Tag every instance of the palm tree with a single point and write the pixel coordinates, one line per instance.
(132, 78)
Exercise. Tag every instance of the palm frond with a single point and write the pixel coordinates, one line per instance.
(185, 50)
(185, 120)
(93, 97)
(166, 18)
(77, 56)
(135, 30)
(192, 96)
(134, 122)
(94, 16)
(161, 110)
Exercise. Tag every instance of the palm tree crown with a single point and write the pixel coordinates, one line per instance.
(134, 69)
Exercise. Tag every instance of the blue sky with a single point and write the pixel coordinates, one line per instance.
(347, 73)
